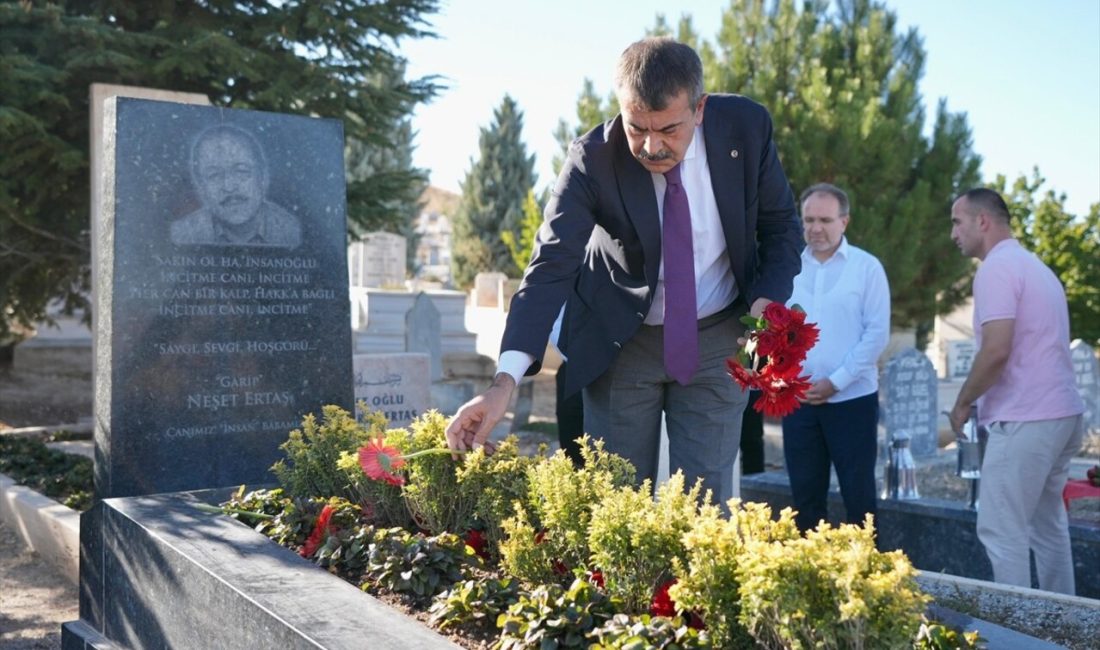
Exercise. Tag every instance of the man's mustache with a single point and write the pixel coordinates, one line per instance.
(232, 199)
(654, 157)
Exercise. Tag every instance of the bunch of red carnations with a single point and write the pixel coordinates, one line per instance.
(771, 361)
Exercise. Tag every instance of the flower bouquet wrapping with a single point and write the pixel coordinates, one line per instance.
(771, 361)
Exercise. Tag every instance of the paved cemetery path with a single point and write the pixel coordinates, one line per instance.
(34, 599)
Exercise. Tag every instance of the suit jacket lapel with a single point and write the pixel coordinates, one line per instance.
(640, 200)
(726, 160)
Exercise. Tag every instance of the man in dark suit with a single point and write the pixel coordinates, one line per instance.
(676, 210)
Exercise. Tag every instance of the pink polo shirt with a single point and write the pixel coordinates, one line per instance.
(1037, 382)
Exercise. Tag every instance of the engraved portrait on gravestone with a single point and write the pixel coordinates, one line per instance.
(230, 175)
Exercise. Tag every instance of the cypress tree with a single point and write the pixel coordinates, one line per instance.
(493, 195)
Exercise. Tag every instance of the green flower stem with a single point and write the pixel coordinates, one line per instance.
(435, 451)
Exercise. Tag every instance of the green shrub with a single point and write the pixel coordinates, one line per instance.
(310, 468)
(499, 481)
(418, 567)
(709, 583)
(474, 602)
(554, 518)
(554, 617)
(624, 632)
(831, 589)
(65, 477)
(935, 636)
(635, 538)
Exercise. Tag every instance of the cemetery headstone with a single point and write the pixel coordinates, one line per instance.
(221, 292)
(1087, 372)
(377, 260)
(908, 396)
(395, 384)
(960, 356)
(422, 333)
(487, 289)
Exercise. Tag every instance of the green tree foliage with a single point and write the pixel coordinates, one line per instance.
(841, 86)
(493, 195)
(591, 110)
(521, 247)
(327, 59)
(1068, 244)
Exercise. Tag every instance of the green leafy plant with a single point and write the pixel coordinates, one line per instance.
(474, 602)
(499, 480)
(645, 632)
(555, 617)
(635, 538)
(708, 582)
(64, 477)
(552, 523)
(935, 636)
(418, 567)
(831, 589)
(311, 468)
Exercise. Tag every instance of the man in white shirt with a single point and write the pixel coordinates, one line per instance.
(844, 290)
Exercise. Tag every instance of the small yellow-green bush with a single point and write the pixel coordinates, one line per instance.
(831, 589)
(635, 538)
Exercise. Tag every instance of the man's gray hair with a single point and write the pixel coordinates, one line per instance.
(655, 70)
(832, 190)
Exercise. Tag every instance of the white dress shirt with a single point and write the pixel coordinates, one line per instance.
(849, 299)
(715, 286)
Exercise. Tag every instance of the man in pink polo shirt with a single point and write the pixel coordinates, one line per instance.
(1022, 381)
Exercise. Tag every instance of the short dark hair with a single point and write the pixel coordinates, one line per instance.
(983, 199)
(832, 190)
(226, 130)
(655, 70)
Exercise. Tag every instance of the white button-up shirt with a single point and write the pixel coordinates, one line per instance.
(849, 299)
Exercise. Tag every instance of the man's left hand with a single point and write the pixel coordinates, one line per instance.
(820, 392)
(958, 416)
(758, 305)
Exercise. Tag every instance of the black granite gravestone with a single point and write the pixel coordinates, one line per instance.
(221, 294)
(908, 398)
(222, 316)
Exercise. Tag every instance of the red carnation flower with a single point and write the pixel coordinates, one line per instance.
(745, 378)
(595, 576)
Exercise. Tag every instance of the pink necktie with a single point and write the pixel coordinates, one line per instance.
(681, 312)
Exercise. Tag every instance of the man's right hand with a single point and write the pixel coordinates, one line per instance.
(471, 426)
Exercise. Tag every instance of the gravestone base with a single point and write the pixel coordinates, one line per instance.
(176, 577)
(936, 535)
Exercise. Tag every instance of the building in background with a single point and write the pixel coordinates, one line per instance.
(433, 251)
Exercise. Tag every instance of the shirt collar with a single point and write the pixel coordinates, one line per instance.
(841, 251)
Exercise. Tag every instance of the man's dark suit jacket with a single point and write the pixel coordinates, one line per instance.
(599, 248)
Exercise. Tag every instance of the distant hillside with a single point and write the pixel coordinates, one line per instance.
(439, 200)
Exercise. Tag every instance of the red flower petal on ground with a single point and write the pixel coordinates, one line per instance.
(379, 462)
(595, 576)
(559, 568)
(662, 604)
(475, 540)
(319, 534)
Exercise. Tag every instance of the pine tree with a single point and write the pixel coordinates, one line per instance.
(493, 194)
(522, 247)
(1069, 245)
(325, 59)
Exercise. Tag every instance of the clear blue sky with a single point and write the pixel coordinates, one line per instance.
(1026, 73)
